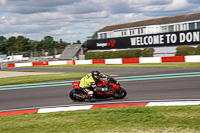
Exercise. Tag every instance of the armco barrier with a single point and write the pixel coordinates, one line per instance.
(194, 58)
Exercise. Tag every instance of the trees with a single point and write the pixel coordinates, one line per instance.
(148, 52)
(184, 50)
(48, 42)
(198, 50)
(10, 44)
(77, 42)
(3, 44)
(2, 40)
(62, 44)
(21, 45)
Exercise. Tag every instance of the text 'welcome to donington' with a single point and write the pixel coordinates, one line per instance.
(173, 38)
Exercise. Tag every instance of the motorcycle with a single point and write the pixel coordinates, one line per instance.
(104, 89)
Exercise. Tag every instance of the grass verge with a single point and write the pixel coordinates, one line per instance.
(184, 119)
(141, 65)
(41, 78)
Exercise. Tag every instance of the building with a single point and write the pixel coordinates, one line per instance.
(73, 52)
(163, 34)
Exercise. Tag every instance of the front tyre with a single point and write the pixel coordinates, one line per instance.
(120, 94)
(73, 95)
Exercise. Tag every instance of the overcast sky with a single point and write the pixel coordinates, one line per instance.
(73, 20)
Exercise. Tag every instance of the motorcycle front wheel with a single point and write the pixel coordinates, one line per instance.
(74, 95)
(120, 94)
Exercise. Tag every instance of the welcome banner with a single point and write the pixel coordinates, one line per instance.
(164, 39)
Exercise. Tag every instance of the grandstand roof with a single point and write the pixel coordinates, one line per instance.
(157, 21)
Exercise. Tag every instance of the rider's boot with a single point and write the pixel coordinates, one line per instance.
(89, 93)
(88, 96)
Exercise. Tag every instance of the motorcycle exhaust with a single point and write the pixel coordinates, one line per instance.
(79, 96)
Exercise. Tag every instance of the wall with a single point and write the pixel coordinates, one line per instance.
(194, 58)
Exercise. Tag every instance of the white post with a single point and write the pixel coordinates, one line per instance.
(1, 61)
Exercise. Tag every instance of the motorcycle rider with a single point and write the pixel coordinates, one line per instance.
(88, 83)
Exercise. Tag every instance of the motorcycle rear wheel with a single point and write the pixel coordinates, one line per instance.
(120, 94)
(73, 94)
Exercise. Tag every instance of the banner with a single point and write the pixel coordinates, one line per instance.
(150, 40)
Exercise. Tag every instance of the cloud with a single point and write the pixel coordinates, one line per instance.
(2, 2)
(177, 5)
(61, 31)
(36, 6)
(81, 7)
(74, 20)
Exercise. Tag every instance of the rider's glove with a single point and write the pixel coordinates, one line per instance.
(92, 84)
(104, 76)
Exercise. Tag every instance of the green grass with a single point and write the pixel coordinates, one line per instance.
(41, 78)
(141, 65)
(66, 76)
(184, 119)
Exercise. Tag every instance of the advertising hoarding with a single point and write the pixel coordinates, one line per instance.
(150, 40)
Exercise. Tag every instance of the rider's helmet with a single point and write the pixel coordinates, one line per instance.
(96, 75)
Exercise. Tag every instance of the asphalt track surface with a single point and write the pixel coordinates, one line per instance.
(141, 85)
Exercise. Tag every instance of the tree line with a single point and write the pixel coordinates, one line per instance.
(23, 44)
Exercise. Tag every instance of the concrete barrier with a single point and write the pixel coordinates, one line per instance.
(80, 62)
(193, 58)
(113, 61)
(58, 63)
(23, 64)
(150, 60)
(173, 59)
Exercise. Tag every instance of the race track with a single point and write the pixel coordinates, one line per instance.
(141, 85)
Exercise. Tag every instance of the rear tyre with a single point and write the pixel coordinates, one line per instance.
(120, 94)
(73, 96)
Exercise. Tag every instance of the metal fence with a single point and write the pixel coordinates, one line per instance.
(32, 56)
(1, 60)
(41, 53)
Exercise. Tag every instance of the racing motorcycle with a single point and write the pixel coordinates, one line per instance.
(104, 89)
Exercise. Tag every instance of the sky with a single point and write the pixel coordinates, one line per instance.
(72, 20)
